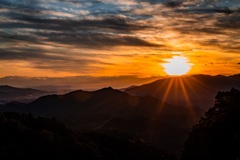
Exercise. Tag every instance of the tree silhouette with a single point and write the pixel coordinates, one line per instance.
(217, 136)
(23, 136)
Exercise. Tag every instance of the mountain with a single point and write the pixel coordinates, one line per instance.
(9, 94)
(160, 113)
(107, 109)
(196, 90)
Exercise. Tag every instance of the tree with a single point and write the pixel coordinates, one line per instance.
(217, 136)
(23, 136)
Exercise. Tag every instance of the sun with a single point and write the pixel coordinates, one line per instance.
(177, 65)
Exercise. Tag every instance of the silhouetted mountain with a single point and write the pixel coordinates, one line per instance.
(107, 109)
(197, 90)
(123, 89)
(9, 94)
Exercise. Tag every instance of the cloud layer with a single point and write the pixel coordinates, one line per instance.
(98, 37)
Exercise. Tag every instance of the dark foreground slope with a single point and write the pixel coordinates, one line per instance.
(217, 135)
(145, 118)
(194, 90)
(25, 137)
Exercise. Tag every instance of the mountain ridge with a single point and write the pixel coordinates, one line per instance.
(10, 93)
(188, 90)
(106, 109)
(151, 117)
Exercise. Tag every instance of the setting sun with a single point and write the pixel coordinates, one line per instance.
(178, 65)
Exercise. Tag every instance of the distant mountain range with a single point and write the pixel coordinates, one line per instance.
(74, 82)
(196, 90)
(9, 94)
(160, 113)
(107, 109)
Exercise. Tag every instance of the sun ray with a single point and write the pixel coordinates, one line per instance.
(189, 85)
(187, 99)
(152, 127)
(199, 82)
(166, 82)
(183, 89)
(169, 87)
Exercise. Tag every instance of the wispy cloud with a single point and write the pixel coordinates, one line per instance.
(64, 35)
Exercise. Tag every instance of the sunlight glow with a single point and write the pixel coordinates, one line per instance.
(178, 65)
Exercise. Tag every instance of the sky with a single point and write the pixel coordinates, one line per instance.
(101, 38)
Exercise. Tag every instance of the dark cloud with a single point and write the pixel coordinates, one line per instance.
(208, 20)
(96, 33)
(238, 63)
(173, 4)
(12, 38)
(224, 10)
(96, 40)
(167, 3)
(80, 1)
(208, 10)
(151, 1)
(53, 60)
(78, 40)
(36, 54)
(37, 20)
(216, 27)
(229, 22)
(26, 54)
(196, 10)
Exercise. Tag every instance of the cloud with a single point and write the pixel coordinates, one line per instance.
(209, 21)
(166, 3)
(84, 32)
(97, 40)
(88, 34)
(23, 20)
(52, 59)
(229, 22)
(86, 40)
(224, 10)
(173, 3)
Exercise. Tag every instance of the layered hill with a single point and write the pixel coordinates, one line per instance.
(196, 90)
(146, 118)
(9, 94)
(160, 113)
